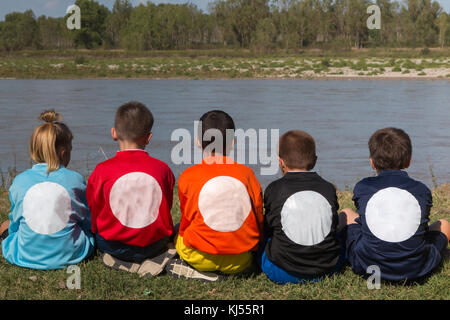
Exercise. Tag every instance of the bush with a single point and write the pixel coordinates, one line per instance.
(325, 63)
(360, 65)
(80, 60)
(425, 51)
(408, 64)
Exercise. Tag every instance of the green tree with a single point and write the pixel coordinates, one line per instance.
(292, 19)
(355, 22)
(427, 23)
(19, 31)
(389, 32)
(138, 33)
(265, 35)
(93, 24)
(419, 22)
(260, 24)
(444, 28)
(53, 33)
(241, 16)
(118, 20)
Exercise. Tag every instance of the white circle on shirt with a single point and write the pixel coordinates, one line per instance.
(306, 218)
(224, 203)
(135, 199)
(47, 207)
(393, 214)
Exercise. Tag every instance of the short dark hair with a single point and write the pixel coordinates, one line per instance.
(390, 148)
(298, 150)
(221, 121)
(133, 121)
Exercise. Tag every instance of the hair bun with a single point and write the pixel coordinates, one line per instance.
(50, 116)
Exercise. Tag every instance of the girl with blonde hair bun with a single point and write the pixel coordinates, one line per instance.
(49, 222)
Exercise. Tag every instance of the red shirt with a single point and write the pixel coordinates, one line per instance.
(130, 197)
(221, 207)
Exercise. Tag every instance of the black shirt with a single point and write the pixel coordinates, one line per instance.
(301, 220)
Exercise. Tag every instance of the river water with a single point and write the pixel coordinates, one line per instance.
(340, 115)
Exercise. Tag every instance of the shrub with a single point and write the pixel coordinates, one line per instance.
(80, 60)
(325, 63)
(425, 51)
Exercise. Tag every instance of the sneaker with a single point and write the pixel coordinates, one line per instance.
(154, 266)
(118, 264)
(178, 268)
(149, 267)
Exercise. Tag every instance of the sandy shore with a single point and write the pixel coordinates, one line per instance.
(396, 76)
(348, 74)
(229, 68)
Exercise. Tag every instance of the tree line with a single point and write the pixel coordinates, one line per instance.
(261, 25)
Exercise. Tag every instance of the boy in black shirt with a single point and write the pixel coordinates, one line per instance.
(300, 217)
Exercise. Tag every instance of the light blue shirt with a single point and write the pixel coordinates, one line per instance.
(50, 220)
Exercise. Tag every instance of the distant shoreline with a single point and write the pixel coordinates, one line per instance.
(94, 65)
(322, 78)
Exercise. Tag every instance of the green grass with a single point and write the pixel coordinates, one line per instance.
(213, 64)
(394, 53)
(101, 283)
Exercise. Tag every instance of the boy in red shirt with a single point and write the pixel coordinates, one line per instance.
(221, 209)
(130, 198)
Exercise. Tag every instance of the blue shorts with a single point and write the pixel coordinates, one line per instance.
(278, 275)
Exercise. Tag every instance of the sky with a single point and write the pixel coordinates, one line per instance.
(57, 8)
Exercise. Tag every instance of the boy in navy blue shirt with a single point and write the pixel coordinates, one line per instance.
(391, 228)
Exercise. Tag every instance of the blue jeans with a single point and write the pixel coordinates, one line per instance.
(278, 275)
(131, 253)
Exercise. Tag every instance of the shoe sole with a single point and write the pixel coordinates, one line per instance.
(190, 273)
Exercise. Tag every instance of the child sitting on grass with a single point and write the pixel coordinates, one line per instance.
(49, 222)
(301, 217)
(391, 228)
(130, 197)
(221, 209)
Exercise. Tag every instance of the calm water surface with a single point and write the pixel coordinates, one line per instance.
(340, 115)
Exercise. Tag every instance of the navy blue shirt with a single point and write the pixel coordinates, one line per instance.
(391, 231)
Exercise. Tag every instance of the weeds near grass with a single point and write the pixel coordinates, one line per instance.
(433, 176)
(6, 178)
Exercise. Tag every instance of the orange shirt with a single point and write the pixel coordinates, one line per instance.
(221, 207)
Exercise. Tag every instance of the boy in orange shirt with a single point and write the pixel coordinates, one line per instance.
(221, 209)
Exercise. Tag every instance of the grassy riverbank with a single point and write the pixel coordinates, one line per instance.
(228, 64)
(100, 282)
